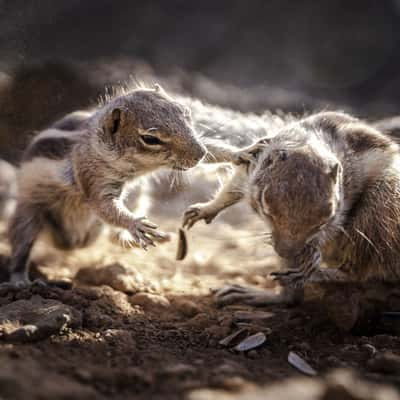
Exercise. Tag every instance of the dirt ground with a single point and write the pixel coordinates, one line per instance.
(141, 325)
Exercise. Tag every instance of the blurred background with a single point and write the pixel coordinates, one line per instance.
(278, 54)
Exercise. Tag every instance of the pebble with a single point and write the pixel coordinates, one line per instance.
(149, 300)
(120, 277)
(233, 383)
(36, 319)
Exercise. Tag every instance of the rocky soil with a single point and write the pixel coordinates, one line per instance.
(140, 325)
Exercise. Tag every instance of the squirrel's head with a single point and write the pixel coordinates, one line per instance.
(149, 128)
(295, 187)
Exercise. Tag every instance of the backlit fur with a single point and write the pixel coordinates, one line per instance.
(70, 181)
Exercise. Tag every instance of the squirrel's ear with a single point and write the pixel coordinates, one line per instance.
(334, 171)
(112, 122)
(115, 120)
(283, 155)
(250, 153)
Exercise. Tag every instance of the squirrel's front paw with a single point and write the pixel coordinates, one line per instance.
(292, 278)
(247, 155)
(197, 212)
(241, 157)
(144, 233)
(124, 238)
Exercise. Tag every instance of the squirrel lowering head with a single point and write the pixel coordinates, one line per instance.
(147, 128)
(295, 185)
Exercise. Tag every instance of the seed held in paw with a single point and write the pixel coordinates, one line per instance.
(182, 245)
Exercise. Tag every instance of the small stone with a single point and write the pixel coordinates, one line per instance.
(233, 383)
(36, 319)
(120, 277)
(149, 300)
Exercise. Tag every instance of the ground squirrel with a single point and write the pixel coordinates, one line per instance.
(70, 182)
(329, 187)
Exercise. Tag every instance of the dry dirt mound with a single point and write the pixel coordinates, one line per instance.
(153, 330)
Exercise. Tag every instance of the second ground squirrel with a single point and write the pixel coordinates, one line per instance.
(329, 188)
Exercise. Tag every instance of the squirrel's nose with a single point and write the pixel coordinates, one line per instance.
(198, 152)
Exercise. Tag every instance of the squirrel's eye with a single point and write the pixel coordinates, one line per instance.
(151, 140)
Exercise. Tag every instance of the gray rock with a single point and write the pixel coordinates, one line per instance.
(36, 319)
